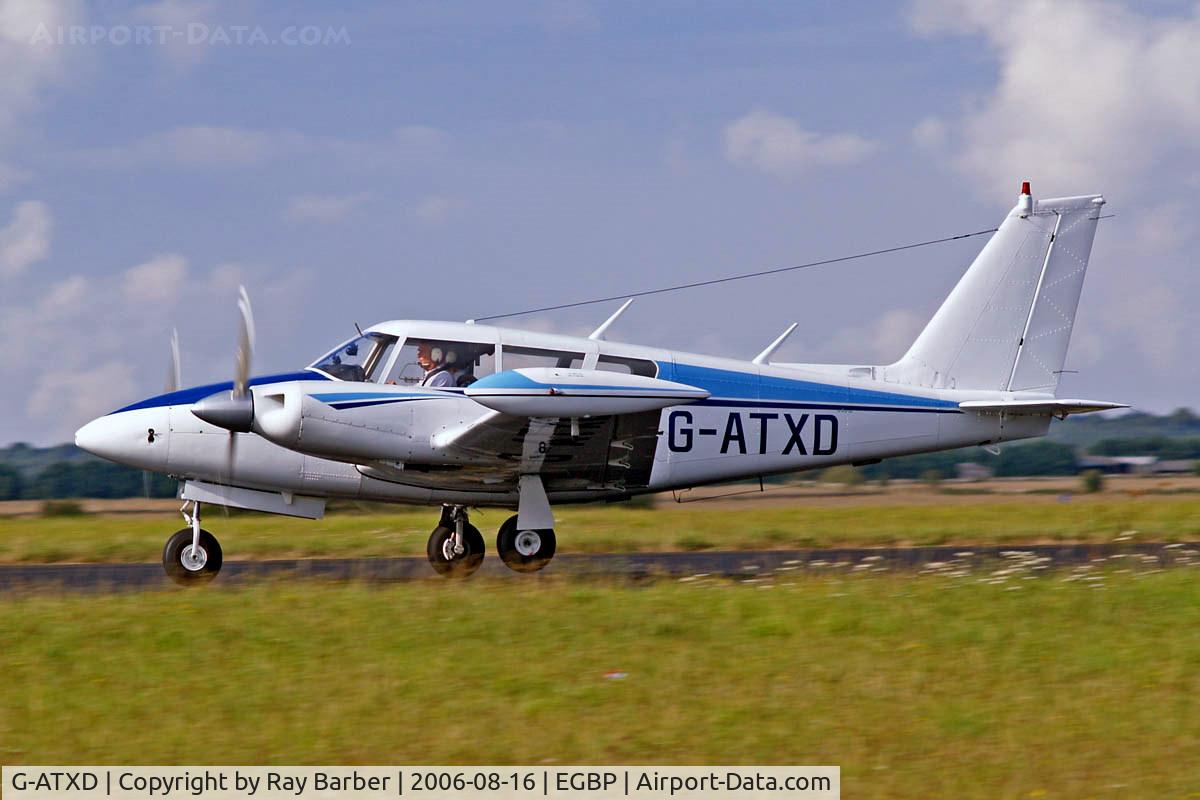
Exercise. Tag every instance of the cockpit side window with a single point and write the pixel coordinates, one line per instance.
(442, 364)
(361, 359)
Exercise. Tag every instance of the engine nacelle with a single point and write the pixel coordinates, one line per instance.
(555, 392)
(367, 426)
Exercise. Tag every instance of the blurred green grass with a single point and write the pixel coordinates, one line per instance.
(602, 528)
(917, 687)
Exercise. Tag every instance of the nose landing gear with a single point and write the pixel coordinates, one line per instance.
(192, 555)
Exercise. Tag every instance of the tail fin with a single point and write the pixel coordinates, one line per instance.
(1007, 323)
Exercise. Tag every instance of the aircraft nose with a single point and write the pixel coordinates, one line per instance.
(92, 437)
(137, 438)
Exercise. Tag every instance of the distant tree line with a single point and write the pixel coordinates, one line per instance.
(1160, 446)
(63, 479)
(1035, 458)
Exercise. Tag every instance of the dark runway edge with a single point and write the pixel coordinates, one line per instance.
(742, 564)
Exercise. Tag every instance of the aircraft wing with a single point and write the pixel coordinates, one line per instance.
(1053, 407)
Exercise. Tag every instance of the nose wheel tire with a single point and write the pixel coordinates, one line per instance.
(189, 567)
(525, 550)
(445, 561)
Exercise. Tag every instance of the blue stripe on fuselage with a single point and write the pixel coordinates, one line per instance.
(195, 393)
(730, 387)
(336, 397)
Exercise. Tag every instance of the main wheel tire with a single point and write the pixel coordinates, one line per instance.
(187, 568)
(525, 551)
(441, 555)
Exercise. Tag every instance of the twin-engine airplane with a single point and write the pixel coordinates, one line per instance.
(466, 415)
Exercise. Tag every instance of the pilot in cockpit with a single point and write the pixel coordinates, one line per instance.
(439, 362)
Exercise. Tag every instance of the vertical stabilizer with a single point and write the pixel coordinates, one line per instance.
(1007, 324)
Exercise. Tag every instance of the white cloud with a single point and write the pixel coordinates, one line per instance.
(11, 177)
(157, 281)
(1164, 228)
(27, 67)
(225, 278)
(202, 146)
(1158, 336)
(882, 340)
(434, 209)
(420, 136)
(177, 15)
(122, 322)
(197, 146)
(65, 299)
(323, 207)
(777, 144)
(68, 397)
(25, 240)
(1090, 94)
(930, 134)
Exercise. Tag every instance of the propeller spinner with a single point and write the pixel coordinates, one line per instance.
(234, 410)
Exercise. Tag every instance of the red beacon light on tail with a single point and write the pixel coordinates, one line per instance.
(1025, 200)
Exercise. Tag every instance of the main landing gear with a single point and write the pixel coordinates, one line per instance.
(192, 555)
(456, 547)
(524, 550)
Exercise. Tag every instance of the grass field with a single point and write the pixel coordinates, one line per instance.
(918, 687)
(922, 518)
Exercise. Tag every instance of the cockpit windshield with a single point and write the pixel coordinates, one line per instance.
(360, 359)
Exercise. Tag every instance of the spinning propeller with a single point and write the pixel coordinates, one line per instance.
(232, 410)
(174, 378)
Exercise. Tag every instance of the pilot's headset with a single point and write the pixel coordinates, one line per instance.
(443, 356)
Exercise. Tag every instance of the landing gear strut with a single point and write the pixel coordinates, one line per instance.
(455, 547)
(192, 555)
(524, 550)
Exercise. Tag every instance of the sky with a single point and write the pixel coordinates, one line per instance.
(359, 162)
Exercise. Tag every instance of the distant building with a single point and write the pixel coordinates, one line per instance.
(1137, 465)
(971, 471)
(1175, 466)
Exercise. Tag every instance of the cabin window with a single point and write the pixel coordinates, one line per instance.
(360, 359)
(625, 366)
(528, 357)
(464, 362)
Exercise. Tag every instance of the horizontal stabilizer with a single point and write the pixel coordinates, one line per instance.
(1052, 407)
